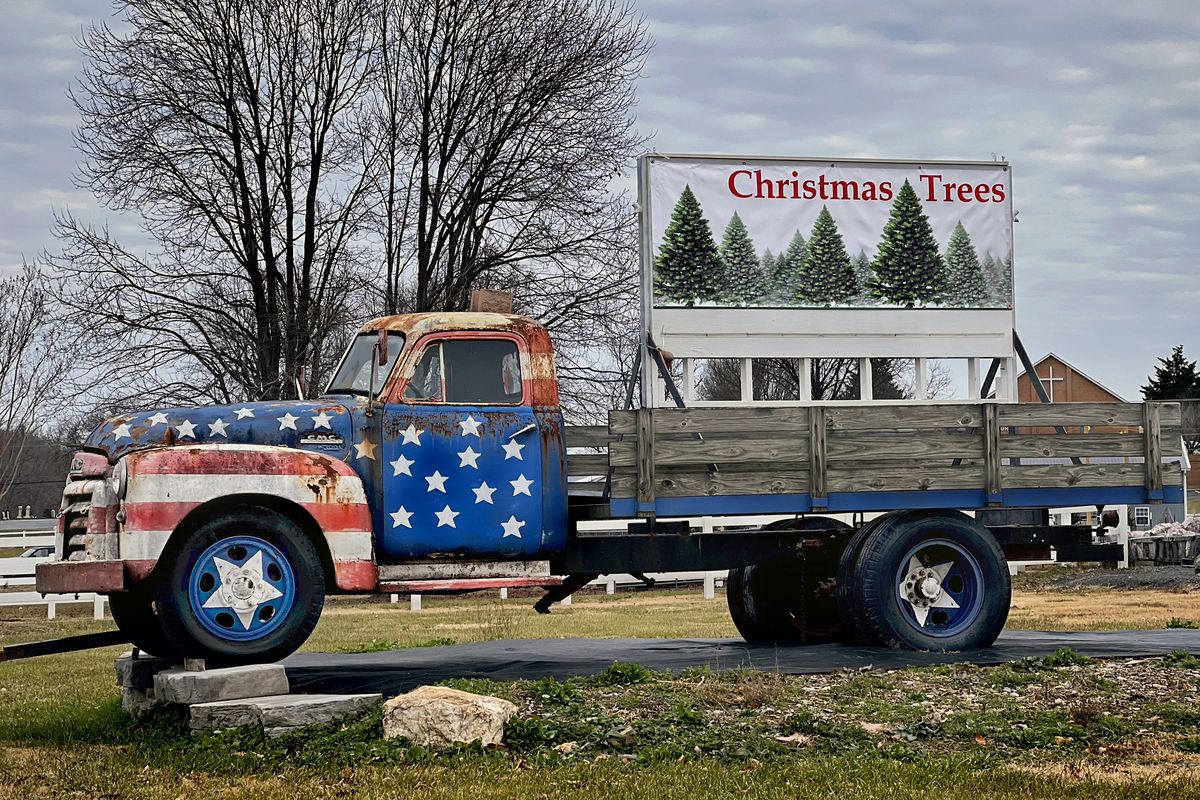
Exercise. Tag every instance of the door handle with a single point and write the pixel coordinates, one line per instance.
(530, 427)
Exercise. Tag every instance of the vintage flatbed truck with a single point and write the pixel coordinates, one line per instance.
(438, 460)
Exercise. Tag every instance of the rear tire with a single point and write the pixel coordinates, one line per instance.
(849, 610)
(136, 616)
(246, 586)
(786, 601)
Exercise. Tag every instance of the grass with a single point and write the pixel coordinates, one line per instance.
(1062, 726)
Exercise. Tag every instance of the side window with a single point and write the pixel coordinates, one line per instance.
(426, 381)
(482, 371)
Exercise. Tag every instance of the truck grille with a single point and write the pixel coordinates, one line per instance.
(73, 517)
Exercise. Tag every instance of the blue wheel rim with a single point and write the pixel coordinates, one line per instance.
(241, 588)
(960, 601)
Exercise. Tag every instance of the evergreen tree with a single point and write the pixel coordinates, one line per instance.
(908, 269)
(1004, 278)
(743, 274)
(862, 271)
(787, 268)
(966, 284)
(768, 262)
(688, 268)
(826, 276)
(989, 267)
(1174, 378)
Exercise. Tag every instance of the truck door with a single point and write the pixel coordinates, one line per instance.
(462, 467)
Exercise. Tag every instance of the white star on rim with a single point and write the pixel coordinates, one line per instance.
(446, 517)
(483, 493)
(321, 420)
(437, 482)
(929, 585)
(242, 589)
(287, 421)
(468, 458)
(217, 428)
(512, 527)
(187, 428)
(411, 435)
(244, 412)
(158, 418)
(365, 449)
(401, 517)
(122, 431)
(400, 466)
(470, 426)
(521, 485)
(512, 449)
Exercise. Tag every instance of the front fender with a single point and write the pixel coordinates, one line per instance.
(164, 487)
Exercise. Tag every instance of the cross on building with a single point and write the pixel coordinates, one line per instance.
(1049, 380)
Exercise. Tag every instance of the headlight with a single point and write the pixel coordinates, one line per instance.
(119, 479)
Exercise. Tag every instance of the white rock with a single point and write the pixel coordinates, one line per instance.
(434, 716)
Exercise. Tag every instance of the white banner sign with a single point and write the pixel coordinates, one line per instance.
(730, 232)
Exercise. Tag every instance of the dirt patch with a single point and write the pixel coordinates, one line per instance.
(1174, 579)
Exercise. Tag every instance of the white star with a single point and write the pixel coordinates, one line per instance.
(321, 421)
(287, 421)
(365, 449)
(244, 412)
(512, 449)
(437, 482)
(187, 429)
(122, 431)
(468, 457)
(401, 517)
(411, 435)
(231, 592)
(217, 428)
(446, 517)
(512, 527)
(160, 417)
(470, 426)
(484, 493)
(521, 486)
(400, 466)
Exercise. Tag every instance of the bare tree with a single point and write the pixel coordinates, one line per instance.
(779, 379)
(35, 365)
(228, 126)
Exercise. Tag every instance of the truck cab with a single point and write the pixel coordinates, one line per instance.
(217, 531)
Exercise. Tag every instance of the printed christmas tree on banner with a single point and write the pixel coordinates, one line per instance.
(688, 268)
(768, 262)
(966, 284)
(1004, 287)
(862, 271)
(908, 269)
(782, 278)
(826, 276)
(743, 274)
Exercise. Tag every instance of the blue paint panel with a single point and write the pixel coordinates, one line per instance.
(888, 501)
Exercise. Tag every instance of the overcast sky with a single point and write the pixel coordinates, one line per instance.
(1096, 104)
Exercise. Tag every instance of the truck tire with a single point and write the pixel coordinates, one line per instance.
(849, 610)
(246, 586)
(931, 580)
(136, 617)
(780, 601)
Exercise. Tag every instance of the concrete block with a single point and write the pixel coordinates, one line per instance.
(280, 714)
(214, 685)
(136, 702)
(139, 673)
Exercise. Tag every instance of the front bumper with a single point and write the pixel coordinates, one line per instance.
(69, 577)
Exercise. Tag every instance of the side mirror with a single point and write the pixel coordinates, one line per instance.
(383, 347)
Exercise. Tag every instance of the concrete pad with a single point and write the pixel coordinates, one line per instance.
(281, 714)
(213, 685)
(139, 673)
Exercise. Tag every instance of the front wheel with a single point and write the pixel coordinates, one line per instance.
(932, 581)
(246, 586)
(136, 616)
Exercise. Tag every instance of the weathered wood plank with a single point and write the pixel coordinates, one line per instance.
(692, 484)
(816, 452)
(1056, 476)
(1069, 445)
(587, 435)
(581, 464)
(719, 451)
(992, 477)
(645, 457)
(904, 478)
(881, 445)
(716, 420)
(1071, 415)
(886, 418)
(1152, 441)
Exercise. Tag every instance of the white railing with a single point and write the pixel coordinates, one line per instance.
(19, 571)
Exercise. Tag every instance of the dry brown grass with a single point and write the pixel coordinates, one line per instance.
(1101, 609)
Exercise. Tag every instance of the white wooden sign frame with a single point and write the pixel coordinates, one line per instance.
(977, 335)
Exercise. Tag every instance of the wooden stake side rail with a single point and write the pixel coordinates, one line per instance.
(819, 451)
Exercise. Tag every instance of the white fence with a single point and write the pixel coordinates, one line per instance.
(17, 571)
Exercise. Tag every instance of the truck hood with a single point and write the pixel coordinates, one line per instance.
(323, 425)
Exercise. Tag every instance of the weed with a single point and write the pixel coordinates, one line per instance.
(1181, 659)
(622, 674)
(1178, 622)
(529, 733)
(1189, 745)
(1065, 657)
(551, 692)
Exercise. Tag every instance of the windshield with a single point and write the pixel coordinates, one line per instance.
(354, 375)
